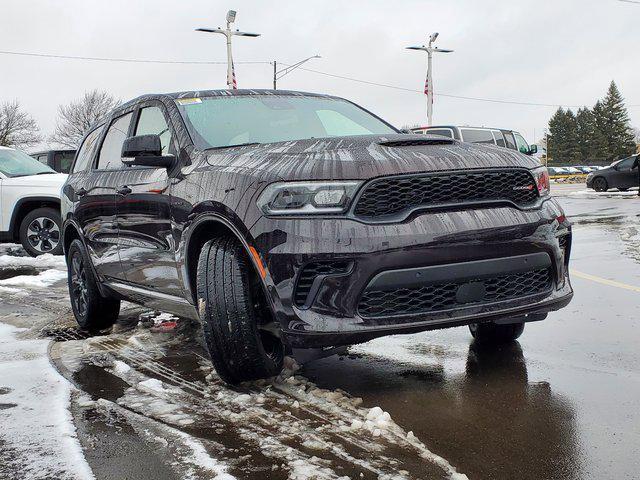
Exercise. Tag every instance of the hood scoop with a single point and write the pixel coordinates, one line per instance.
(416, 142)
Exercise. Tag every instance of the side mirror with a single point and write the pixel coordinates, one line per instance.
(533, 149)
(146, 151)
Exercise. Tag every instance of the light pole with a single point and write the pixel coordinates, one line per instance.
(228, 33)
(278, 74)
(428, 87)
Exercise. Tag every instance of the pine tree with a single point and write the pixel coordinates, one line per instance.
(590, 141)
(562, 139)
(612, 120)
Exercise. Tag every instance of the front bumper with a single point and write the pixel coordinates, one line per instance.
(332, 317)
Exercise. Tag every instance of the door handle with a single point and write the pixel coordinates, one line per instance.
(81, 192)
(124, 190)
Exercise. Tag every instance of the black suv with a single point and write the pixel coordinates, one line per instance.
(286, 221)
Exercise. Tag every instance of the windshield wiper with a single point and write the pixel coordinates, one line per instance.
(45, 173)
(236, 145)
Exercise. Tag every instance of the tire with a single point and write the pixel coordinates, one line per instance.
(93, 312)
(40, 232)
(600, 184)
(232, 307)
(493, 333)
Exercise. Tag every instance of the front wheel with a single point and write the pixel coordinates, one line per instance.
(600, 185)
(93, 312)
(239, 330)
(494, 333)
(40, 232)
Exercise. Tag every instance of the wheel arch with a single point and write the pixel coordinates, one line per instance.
(204, 228)
(25, 205)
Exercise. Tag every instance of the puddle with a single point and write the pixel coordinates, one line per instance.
(10, 272)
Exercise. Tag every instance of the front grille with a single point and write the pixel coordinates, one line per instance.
(313, 270)
(394, 196)
(434, 298)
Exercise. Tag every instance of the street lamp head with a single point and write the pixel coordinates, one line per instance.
(231, 16)
(433, 37)
(416, 48)
(442, 50)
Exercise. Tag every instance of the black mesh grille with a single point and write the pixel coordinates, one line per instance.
(433, 298)
(313, 270)
(392, 196)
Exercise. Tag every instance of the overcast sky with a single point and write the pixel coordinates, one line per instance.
(541, 51)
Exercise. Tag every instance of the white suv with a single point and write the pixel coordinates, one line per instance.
(30, 203)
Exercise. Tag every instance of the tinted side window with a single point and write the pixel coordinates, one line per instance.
(87, 150)
(522, 144)
(626, 164)
(62, 162)
(499, 138)
(511, 142)
(152, 122)
(445, 132)
(477, 136)
(111, 152)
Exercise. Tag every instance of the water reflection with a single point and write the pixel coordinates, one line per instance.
(481, 413)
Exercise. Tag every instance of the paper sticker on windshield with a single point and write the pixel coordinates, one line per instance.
(189, 101)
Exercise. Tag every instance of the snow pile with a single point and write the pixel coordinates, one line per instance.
(43, 261)
(42, 280)
(37, 430)
(593, 193)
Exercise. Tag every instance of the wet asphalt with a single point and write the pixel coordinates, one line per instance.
(561, 403)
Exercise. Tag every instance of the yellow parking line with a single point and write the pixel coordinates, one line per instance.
(604, 281)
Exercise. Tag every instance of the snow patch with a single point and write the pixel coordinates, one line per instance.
(39, 434)
(42, 280)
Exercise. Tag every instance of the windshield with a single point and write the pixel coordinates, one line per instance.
(233, 120)
(14, 163)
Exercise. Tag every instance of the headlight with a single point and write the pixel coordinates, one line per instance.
(307, 198)
(541, 176)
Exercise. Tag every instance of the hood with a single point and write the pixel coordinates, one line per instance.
(48, 180)
(365, 157)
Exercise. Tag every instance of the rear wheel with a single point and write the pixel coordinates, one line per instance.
(40, 232)
(239, 330)
(93, 311)
(600, 185)
(494, 333)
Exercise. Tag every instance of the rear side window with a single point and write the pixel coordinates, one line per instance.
(500, 141)
(87, 150)
(111, 152)
(511, 142)
(62, 161)
(152, 122)
(445, 132)
(477, 136)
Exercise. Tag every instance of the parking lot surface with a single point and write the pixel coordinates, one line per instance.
(561, 403)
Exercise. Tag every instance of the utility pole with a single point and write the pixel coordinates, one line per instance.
(228, 33)
(428, 87)
(278, 74)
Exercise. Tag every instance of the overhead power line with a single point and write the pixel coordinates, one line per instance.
(462, 97)
(318, 72)
(125, 60)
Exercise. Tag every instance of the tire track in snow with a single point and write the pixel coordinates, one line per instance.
(320, 418)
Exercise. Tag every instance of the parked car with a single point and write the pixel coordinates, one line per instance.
(30, 203)
(621, 175)
(491, 136)
(558, 171)
(286, 221)
(59, 160)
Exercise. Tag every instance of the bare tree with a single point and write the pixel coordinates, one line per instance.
(75, 118)
(17, 128)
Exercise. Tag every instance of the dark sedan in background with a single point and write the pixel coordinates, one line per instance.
(622, 175)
